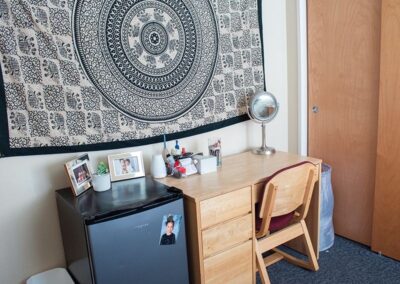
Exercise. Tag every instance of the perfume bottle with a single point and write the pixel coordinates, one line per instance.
(177, 148)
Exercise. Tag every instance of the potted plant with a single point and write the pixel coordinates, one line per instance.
(101, 179)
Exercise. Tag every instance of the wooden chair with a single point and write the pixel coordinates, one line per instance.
(287, 195)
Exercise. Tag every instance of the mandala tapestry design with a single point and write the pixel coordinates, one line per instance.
(82, 75)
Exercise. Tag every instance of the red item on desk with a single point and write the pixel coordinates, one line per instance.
(178, 167)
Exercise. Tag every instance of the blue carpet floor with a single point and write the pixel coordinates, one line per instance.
(344, 262)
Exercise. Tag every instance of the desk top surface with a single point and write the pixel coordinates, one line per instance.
(237, 171)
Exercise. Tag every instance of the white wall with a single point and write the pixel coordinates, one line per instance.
(30, 239)
(276, 77)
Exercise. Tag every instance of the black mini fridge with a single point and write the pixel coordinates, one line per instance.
(133, 233)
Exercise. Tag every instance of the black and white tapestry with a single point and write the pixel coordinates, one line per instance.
(80, 75)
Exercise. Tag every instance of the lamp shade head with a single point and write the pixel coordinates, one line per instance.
(263, 107)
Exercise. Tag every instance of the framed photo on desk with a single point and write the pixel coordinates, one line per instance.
(78, 171)
(126, 166)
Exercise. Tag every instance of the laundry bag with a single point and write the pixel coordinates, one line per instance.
(326, 232)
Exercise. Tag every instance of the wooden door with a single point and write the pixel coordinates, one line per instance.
(386, 222)
(343, 58)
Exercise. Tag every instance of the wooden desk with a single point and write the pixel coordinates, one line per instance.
(219, 211)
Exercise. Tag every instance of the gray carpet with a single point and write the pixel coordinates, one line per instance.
(344, 262)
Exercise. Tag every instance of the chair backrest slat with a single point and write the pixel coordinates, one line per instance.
(293, 190)
(291, 186)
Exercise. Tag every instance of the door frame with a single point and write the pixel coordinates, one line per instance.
(302, 77)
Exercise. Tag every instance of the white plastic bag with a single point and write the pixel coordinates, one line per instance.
(326, 232)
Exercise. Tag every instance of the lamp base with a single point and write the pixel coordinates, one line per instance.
(264, 151)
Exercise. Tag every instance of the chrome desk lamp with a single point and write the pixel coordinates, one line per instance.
(262, 108)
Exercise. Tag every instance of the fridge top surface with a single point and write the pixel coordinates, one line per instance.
(124, 197)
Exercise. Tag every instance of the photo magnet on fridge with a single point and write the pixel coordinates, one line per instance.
(170, 229)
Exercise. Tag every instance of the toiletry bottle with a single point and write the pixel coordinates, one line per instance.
(177, 148)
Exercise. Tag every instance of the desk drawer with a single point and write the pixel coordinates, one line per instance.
(225, 207)
(232, 266)
(227, 235)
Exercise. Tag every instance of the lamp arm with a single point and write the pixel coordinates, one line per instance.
(264, 143)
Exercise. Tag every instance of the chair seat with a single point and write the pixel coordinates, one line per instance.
(277, 223)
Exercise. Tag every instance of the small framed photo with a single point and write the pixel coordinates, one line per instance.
(126, 166)
(78, 171)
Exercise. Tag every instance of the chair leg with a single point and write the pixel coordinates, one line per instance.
(293, 260)
(309, 248)
(311, 262)
(261, 267)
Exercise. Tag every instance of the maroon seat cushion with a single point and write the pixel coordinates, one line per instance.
(277, 223)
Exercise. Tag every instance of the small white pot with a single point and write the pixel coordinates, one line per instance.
(101, 182)
(158, 169)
